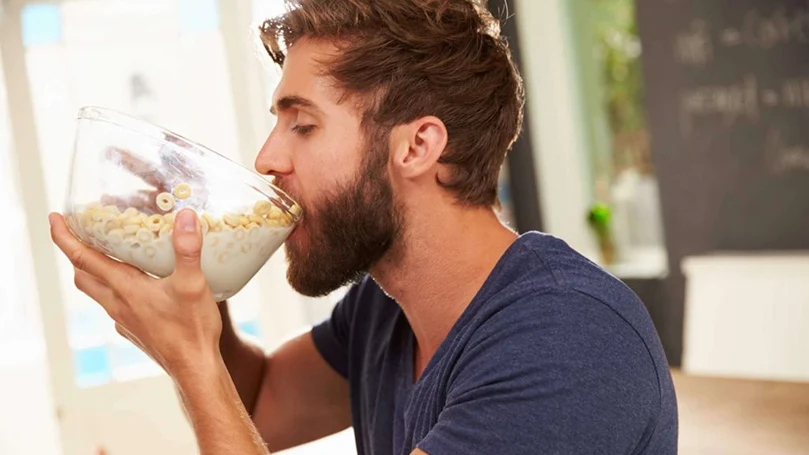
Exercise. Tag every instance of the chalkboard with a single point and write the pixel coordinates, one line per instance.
(727, 99)
(727, 95)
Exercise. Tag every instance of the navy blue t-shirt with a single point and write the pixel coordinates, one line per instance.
(552, 356)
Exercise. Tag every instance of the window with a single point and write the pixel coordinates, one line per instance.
(161, 60)
(617, 138)
(18, 310)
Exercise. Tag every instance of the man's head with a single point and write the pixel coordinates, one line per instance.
(382, 102)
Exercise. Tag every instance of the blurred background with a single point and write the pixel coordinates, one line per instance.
(667, 140)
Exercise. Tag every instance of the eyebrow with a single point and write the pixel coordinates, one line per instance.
(288, 102)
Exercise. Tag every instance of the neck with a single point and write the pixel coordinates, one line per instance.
(439, 266)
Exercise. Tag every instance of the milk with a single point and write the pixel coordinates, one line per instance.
(231, 256)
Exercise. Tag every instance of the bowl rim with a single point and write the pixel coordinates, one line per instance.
(157, 132)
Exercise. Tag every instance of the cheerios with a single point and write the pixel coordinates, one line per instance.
(144, 235)
(165, 202)
(204, 226)
(209, 219)
(112, 209)
(155, 223)
(231, 220)
(165, 231)
(130, 212)
(262, 208)
(86, 218)
(275, 213)
(100, 216)
(182, 191)
(115, 236)
(131, 221)
(224, 257)
(257, 220)
(240, 240)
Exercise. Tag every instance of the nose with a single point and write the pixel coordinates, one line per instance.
(273, 158)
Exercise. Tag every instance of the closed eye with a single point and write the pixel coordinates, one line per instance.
(303, 130)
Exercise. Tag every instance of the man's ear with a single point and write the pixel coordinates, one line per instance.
(417, 146)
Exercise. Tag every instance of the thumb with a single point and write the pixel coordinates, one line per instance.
(187, 239)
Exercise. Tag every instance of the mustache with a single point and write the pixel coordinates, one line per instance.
(283, 186)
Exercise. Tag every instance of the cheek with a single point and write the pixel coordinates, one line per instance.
(319, 179)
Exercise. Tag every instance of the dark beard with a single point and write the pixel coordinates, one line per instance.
(349, 231)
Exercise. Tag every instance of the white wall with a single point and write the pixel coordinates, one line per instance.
(556, 119)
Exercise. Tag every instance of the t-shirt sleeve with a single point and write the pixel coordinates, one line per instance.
(333, 335)
(574, 382)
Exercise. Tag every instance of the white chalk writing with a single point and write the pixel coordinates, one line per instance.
(769, 98)
(694, 47)
(785, 157)
(741, 99)
(731, 37)
(795, 93)
(727, 101)
(764, 32)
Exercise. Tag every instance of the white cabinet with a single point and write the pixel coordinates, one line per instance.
(747, 315)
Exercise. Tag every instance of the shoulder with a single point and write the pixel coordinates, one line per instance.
(552, 305)
(565, 286)
(565, 362)
(557, 369)
(560, 333)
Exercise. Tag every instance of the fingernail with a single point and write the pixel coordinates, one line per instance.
(188, 220)
(50, 219)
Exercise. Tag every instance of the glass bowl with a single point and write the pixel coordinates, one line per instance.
(130, 177)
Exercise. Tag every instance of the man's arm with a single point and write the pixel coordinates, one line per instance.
(214, 408)
(244, 360)
(293, 395)
(300, 399)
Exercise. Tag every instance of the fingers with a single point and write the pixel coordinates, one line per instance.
(182, 169)
(145, 171)
(173, 165)
(187, 237)
(81, 256)
(96, 290)
(125, 333)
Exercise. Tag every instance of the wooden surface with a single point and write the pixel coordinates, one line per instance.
(740, 417)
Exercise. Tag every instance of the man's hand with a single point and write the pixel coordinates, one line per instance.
(174, 320)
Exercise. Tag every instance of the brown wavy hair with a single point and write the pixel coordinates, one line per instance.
(406, 59)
